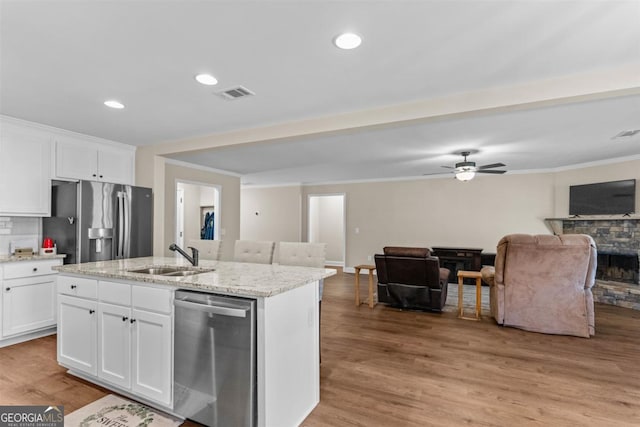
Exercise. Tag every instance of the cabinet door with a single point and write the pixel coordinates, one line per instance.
(152, 353)
(77, 333)
(116, 166)
(25, 172)
(76, 159)
(28, 304)
(114, 344)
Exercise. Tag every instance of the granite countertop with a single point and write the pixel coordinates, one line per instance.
(34, 257)
(230, 278)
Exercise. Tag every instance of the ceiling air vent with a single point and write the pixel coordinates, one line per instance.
(235, 93)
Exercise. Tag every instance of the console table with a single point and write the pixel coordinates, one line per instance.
(458, 259)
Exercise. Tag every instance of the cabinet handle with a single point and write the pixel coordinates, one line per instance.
(35, 269)
(125, 318)
(91, 311)
(100, 176)
(133, 320)
(73, 286)
(7, 289)
(94, 175)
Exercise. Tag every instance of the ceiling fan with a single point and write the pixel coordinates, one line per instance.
(466, 170)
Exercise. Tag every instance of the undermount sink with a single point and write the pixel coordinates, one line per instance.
(171, 271)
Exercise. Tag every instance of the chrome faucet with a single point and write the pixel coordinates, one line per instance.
(192, 259)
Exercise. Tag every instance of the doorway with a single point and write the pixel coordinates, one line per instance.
(197, 212)
(326, 224)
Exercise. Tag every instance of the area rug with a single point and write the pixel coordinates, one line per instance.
(469, 299)
(115, 411)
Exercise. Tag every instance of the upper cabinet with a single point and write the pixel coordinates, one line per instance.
(86, 160)
(25, 172)
(31, 155)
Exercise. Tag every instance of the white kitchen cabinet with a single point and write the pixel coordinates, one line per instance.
(152, 355)
(88, 160)
(27, 299)
(28, 304)
(133, 334)
(25, 171)
(78, 333)
(114, 345)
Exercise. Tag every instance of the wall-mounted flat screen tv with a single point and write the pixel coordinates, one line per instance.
(603, 198)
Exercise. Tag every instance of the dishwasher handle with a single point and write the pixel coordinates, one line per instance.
(213, 309)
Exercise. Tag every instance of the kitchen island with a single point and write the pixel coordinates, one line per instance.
(116, 328)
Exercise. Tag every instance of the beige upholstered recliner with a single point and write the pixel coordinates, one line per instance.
(543, 283)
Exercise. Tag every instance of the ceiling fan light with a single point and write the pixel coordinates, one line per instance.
(465, 175)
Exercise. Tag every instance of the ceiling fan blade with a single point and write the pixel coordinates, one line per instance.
(447, 167)
(492, 165)
(485, 171)
(435, 173)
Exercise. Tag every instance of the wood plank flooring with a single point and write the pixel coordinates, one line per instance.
(386, 367)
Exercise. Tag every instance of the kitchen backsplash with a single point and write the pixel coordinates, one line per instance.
(14, 229)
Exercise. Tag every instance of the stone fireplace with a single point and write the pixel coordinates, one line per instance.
(618, 273)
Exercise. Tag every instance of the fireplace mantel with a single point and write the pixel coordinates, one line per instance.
(556, 224)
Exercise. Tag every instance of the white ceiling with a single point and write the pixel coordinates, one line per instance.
(59, 60)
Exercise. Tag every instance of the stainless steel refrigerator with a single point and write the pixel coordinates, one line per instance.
(98, 221)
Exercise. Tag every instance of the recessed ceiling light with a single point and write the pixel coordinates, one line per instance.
(114, 104)
(347, 41)
(206, 79)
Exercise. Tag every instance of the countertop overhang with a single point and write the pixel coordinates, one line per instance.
(230, 278)
(34, 257)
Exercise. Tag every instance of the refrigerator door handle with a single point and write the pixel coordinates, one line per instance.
(126, 231)
(119, 248)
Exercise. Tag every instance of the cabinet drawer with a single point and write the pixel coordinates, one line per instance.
(19, 269)
(78, 286)
(114, 293)
(154, 299)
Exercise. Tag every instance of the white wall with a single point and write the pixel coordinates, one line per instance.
(327, 225)
(278, 212)
(441, 212)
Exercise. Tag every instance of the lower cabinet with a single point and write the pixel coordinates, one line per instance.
(28, 305)
(132, 335)
(77, 333)
(114, 330)
(152, 355)
(27, 299)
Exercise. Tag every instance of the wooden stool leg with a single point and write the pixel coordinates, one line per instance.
(460, 296)
(357, 286)
(370, 288)
(478, 297)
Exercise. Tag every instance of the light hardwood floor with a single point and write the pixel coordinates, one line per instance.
(385, 367)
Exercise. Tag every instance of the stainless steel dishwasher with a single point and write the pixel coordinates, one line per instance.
(215, 359)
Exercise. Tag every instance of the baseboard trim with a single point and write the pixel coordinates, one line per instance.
(334, 263)
(28, 336)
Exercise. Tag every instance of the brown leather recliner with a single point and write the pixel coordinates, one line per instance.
(411, 278)
(542, 283)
